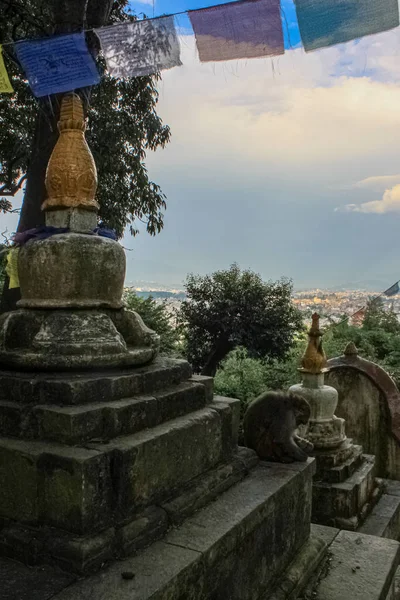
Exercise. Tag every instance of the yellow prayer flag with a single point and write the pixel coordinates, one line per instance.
(5, 85)
(12, 268)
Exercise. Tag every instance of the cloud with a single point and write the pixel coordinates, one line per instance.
(378, 182)
(298, 113)
(390, 203)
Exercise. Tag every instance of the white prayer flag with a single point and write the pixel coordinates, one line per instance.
(140, 48)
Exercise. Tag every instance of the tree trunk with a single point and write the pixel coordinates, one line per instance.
(69, 16)
(216, 357)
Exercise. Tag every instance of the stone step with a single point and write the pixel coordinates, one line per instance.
(101, 420)
(153, 463)
(86, 553)
(340, 473)
(359, 567)
(86, 388)
(394, 592)
(235, 548)
(384, 520)
(109, 482)
(343, 504)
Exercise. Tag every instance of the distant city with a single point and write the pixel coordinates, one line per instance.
(331, 305)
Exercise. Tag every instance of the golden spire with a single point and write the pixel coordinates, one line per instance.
(314, 358)
(71, 177)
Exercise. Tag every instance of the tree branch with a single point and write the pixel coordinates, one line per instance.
(11, 190)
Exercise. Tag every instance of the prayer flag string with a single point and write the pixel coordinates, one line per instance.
(234, 30)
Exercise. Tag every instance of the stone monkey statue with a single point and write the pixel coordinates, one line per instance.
(270, 423)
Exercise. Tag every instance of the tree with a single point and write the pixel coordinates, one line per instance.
(236, 308)
(122, 121)
(376, 317)
(3, 255)
(156, 317)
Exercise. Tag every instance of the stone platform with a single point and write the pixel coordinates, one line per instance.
(346, 500)
(384, 520)
(356, 567)
(235, 548)
(95, 466)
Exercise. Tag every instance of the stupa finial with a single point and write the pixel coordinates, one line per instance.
(351, 349)
(71, 177)
(314, 358)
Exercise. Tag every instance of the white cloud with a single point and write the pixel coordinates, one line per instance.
(291, 114)
(389, 203)
(378, 182)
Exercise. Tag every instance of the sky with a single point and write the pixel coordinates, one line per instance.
(289, 166)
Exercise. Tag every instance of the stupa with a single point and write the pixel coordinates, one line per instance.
(71, 314)
(344, 485)
(108, 450)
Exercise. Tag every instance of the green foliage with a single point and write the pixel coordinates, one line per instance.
(3, 255)
(235, 308)
(376, 317)
(240, 376)
(378, 340)
(245, 378)
(156, 317)
(122, 121)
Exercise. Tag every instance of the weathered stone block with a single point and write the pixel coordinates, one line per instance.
(164, 373)
(19, 480)
(105, 420)
(179, 400)
(206, 487)
(301, 569)
(104, 386)
(234, 548)
(339, 463)
(19, 582)
(123, 417)
(151, 464)
(77, 489)
(362, 568)
(334, 501)
(208, 383)
(18, 387)
(234, 409)
(102, 421)
(140, 532)
(82, 555)
(69, 424)
(384, 520)
(11, 416)
(46, 283)
(268, 531)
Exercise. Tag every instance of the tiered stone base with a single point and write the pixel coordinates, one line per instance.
(235, 548)
(94, 466)
(345, 488)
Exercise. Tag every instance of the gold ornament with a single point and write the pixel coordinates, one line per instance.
(314, 359)
(71, 177)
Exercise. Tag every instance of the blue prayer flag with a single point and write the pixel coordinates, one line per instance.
(392, 291)
(57, 64)
(324, 23)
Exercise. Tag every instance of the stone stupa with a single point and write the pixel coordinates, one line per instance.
(71, 314)
(344, 487)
